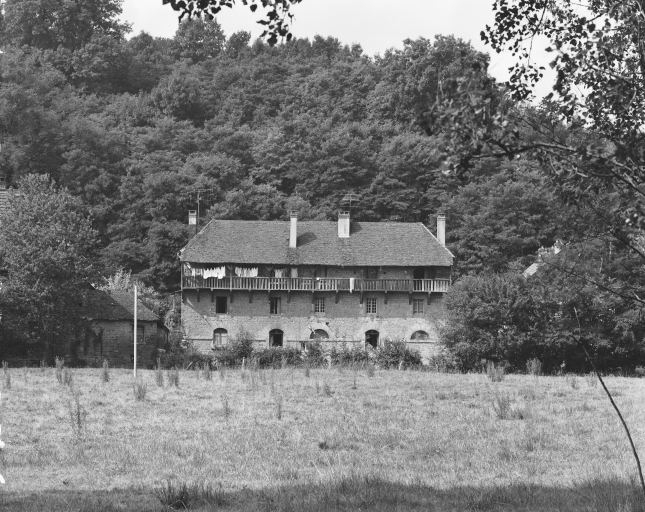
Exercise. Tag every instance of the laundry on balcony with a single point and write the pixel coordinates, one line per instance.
(352, 281)
(246, 272)
(216, 272)
(278, 272)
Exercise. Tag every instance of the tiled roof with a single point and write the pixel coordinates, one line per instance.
(267, 242)
(114, 306)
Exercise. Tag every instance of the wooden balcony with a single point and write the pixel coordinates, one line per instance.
(310, 284)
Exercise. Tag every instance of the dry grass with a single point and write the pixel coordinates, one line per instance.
(394, 441)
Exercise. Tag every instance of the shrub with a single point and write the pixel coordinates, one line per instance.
(67, 377)
(275, 357)
(314, 355)
(224, 357)
(241, 347)
(345, 356)
(396, 354)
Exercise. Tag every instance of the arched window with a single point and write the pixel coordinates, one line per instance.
(220, 338)
(371, 338)
(319, 334)
(419, 336)
(275, 338)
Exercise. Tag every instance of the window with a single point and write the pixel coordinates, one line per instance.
(274, 305)
(220, 338)
(221, 305)
(419, 335)
(371, 339)
(370, 306)
(417, 306)
(275, 338)
(319, 305)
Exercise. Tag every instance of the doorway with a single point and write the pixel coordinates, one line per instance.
(275, 338)
(371, 338)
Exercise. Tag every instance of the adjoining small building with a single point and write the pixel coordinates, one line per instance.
(286, 283)
(110, 336)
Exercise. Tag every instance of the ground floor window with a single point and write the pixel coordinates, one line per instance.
(275, 338)
(371, 338)
(370, 306)
(319, 334)
(419, 336)
(319, 305)
(220, 338)
(417, 306)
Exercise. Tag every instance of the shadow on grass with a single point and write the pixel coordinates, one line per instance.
(356, 493)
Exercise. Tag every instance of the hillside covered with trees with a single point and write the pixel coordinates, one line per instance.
(137, 129)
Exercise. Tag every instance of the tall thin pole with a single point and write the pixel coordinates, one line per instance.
(135, 331)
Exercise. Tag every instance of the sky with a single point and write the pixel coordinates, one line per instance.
(374, 24)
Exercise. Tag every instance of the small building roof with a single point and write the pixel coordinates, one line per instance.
(395, 244)
(115, 306)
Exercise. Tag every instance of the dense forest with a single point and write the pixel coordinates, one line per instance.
(137, 130)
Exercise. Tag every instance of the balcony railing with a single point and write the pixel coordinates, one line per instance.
(306, 284)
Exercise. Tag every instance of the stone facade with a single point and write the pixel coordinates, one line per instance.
(344, 320)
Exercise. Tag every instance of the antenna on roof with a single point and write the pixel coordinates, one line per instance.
(348, 200)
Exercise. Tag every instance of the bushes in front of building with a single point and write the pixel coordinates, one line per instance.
(395, 354)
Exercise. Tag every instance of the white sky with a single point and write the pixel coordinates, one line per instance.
(374, 24)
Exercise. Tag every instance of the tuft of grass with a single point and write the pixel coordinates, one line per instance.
(206, 371)
(278, 407)
(7, 375)
(173, 377)
(77, 413)
(370, 370)
(226, 406)
(185, 496)
(159, 374)
(572, 380)
(592, 379)
(221, 371)
(139, 388)
(67, 377)
(327, 391)
(495, 373)
(105, 371)
(307, 371)
(534, 367)
(505, 409)
(60, 363)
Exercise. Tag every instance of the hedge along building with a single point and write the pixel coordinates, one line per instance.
(284, 283)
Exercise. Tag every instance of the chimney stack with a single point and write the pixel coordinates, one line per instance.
(293, 230)
(441, 229)
(343, 224)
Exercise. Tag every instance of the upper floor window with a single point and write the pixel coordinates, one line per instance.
(274, 305)
(370, 306)
(221, 305)
(417, 306)
(319, 305)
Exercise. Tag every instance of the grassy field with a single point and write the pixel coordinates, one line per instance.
(335, 439)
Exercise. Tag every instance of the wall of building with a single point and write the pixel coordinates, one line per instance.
(345, 318)
(113, 341)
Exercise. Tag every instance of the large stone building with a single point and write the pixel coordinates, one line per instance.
(283, 283)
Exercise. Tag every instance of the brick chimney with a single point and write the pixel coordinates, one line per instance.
(441, 229)
(343, 224)
(293, 230)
